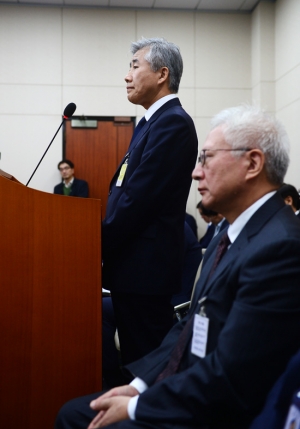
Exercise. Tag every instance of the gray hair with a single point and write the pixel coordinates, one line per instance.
(250, 127)
(162, 54)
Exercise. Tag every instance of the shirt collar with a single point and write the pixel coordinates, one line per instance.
(236, 227)
(68, 185)
(155, 106)
(218, 227)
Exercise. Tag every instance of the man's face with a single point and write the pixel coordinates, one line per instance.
(66, 172)
(221, 179)
(142, 82)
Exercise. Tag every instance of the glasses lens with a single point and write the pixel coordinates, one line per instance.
(202, 157)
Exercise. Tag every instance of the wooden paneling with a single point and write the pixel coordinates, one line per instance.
(50, 303)
(97, 153)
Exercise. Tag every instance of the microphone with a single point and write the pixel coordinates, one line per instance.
(68, 112)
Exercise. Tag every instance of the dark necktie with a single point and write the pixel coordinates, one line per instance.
(178, 351)
(221, 249)
(138, 128)
(185, 334)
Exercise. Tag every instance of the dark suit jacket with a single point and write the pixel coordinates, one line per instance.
(191, 221)
(253, 304)
(275, 411)
(142, 232)
(80, 188)
(206, 239)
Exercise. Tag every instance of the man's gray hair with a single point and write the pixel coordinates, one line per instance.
(250, 127)
(162, 54)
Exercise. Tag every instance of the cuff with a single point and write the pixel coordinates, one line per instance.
(139, 385)
(131, 407)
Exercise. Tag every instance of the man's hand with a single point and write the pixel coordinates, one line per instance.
(112, 405)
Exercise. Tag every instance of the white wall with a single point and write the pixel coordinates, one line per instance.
(52, 56)
(276, 69)
(263, 56)
(287, 78)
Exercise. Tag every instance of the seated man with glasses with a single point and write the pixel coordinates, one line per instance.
(70, 186)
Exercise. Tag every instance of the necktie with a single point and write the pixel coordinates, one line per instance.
(138, 128)
(185, 334)
(221, 249)
(177, 352)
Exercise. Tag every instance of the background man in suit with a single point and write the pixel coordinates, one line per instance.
(191, 221)
(245, 307)
(143, 230)
(216, 223)
(291, 197)
(70, 186)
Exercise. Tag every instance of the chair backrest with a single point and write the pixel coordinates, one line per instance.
(198, 274)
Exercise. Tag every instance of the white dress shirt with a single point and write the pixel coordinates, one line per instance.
(69, 184)
(157, 105)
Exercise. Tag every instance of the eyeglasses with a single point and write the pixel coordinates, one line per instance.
(202, 156)
(64, 168)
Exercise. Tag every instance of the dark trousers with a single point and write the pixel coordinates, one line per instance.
(77, 414)
(111, 362)
(142, 321)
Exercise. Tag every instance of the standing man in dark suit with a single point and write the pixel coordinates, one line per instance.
(70, 186)
(110, 359)
(215, 367)
(143, 230)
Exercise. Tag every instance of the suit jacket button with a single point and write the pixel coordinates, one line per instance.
(109, 192)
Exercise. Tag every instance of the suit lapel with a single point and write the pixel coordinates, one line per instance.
(163, 108)
(251, 229)
(138, 137)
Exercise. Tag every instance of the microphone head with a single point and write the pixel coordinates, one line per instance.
(69, 110)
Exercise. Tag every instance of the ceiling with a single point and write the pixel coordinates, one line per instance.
(197, 5)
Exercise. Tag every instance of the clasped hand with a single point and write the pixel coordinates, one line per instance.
(112, 406)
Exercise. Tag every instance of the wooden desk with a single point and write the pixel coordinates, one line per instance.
(50, 303)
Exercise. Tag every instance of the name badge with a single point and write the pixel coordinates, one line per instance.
(122, 175)
(200, 335)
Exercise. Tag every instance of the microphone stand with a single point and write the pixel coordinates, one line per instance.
(68, 112)
(45, 152)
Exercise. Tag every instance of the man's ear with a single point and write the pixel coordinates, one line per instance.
(256, 162)
(164, 74)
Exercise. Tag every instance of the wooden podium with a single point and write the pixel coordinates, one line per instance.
(50, 303)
